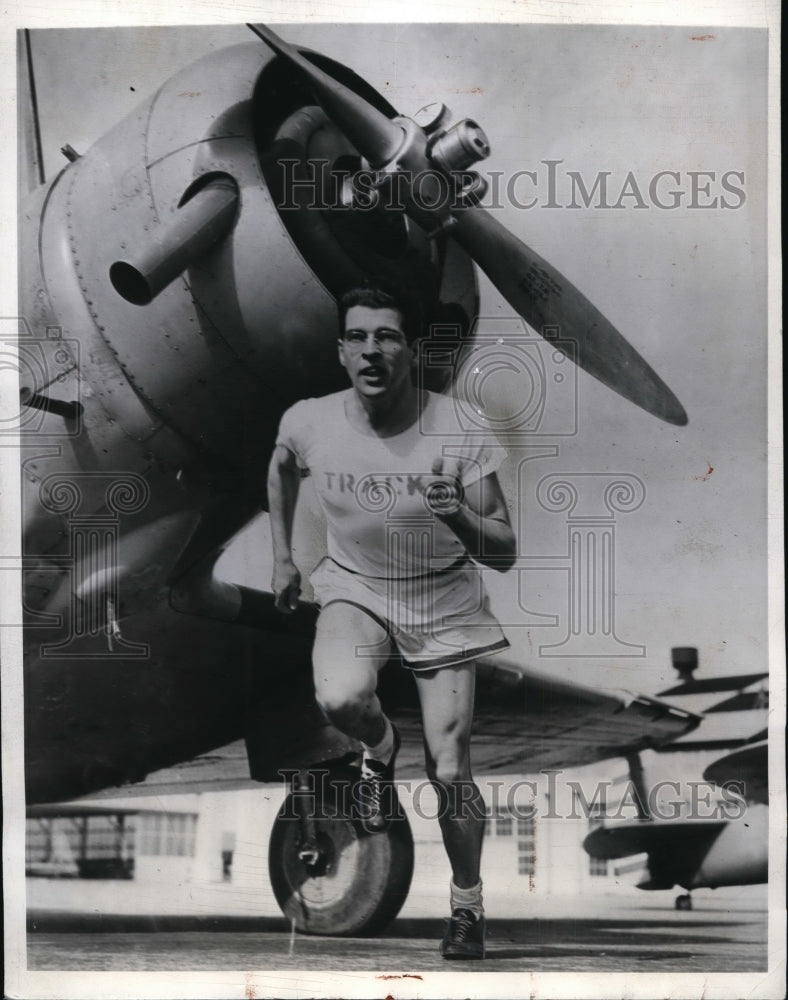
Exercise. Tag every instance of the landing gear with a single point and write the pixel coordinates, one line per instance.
(684, 902)
(328, 874)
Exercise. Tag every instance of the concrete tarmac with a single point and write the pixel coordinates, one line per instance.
(623, 936)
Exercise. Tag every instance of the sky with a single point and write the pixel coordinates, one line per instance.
(686, 285)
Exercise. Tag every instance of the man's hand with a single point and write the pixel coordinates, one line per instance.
(444, 494)
(286, 585)
(476, 513)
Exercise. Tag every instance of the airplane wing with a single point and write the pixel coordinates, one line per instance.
(525, 721)
(720, 731)
(713, 685)
(691, 853)
(648, 836)
(748, 766)
(675, 848)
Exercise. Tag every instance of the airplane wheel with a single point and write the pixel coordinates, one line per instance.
(346, 882)
(684, 902)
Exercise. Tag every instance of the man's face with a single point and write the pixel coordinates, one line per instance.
(374, 352)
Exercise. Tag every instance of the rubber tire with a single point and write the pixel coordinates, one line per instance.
(366, 885)
(684, 902)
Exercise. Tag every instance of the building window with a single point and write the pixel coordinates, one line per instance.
(526, 857)
(168, 834)
(87, 845)
(526, 846)
(525, 826)
(503, 825)
(499, 824)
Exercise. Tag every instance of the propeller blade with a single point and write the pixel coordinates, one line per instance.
(371, 132)
(544, 297)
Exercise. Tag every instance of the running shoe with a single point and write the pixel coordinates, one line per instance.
(375, 795)
(465, 933)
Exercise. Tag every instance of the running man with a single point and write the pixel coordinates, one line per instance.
(408, 501)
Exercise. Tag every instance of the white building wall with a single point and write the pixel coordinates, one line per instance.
(241, 821)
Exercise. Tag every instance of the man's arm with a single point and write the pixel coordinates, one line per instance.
(481, 522)
(283, 481)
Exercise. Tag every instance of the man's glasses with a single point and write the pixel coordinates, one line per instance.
(383, 338)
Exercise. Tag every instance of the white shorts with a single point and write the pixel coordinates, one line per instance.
(436, 620)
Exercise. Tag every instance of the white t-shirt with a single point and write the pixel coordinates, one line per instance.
(371, 488)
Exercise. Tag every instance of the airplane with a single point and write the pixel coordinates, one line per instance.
(730, 846)
(172, 311)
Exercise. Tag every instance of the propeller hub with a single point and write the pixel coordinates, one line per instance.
(460, 147)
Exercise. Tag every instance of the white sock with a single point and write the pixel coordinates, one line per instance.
(381, 751)
(467, 899)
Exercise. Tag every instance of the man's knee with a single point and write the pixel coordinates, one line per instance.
(341, 703)
(450, 766)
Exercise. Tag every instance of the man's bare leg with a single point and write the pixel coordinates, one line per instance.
(350, 648)
(447, 711)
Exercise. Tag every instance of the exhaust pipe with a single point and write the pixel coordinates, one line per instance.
(205, 215)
